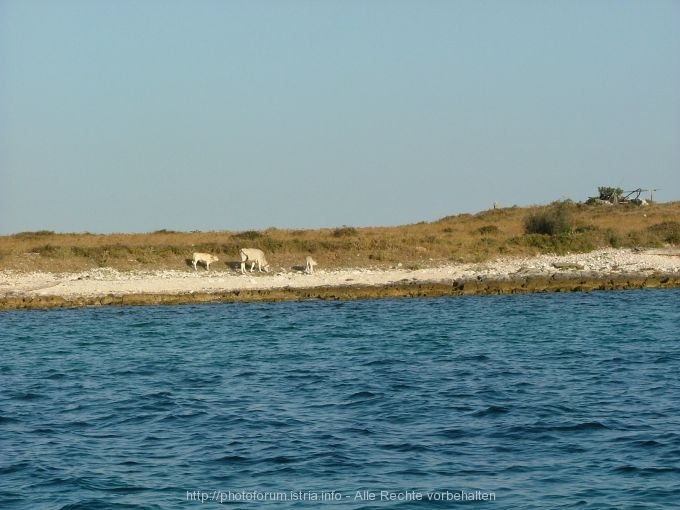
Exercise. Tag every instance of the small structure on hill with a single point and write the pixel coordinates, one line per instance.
(614, 196)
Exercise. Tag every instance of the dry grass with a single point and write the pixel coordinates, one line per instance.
(462, 238)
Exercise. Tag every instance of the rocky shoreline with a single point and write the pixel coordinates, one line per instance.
(608, 269)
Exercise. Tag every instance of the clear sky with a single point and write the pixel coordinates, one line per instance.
(138, 115)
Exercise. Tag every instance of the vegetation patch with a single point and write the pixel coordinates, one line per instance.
(555, 220)
(559, 227)
(668, 231)
(249, 235)
(345, 232)
(34, 235)
(488, 230)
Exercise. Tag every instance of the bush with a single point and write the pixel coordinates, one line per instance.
(608, 193)
(33, 235)
(344, 232)
(668, 231)
(488, 230)
(249, 235)
(269, 244)
(540, 241)
(165, 231)
(586, 228)
(560, 244)
(48, 250)
(552, 221)
(613, 238)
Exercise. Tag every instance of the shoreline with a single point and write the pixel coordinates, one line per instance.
(607, 269)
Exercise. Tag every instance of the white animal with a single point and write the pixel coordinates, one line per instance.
(254, 256)
(309, 264)
(205, 258)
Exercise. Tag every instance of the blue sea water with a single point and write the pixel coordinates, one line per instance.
(530, 401)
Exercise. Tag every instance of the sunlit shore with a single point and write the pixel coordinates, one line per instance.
(600, 269)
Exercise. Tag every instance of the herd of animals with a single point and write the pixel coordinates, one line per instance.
(252, 255)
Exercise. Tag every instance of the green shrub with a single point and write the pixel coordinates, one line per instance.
(249, 235)
(344, 232)
(47, 250)
(582, 229)
(488, 230)
(638, 238)
(607, 192)
(33, 235)
(540, 241)
(165, 231)
(668, 231)
(558, 244)
(613, 238)
(270, 244)
(553, 221)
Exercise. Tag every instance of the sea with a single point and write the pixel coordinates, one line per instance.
(524, 401)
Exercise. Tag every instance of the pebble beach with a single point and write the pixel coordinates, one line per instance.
(600, 269)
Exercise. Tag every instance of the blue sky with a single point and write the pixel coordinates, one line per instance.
(138, 115)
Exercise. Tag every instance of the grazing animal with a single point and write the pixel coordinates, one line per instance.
(309, 264)
(205, 258)
(254, 256)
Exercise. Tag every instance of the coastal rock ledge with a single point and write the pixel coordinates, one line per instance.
(598, 270)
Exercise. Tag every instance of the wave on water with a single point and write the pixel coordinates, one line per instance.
(560, 400)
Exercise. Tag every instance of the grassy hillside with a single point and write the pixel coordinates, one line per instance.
(559, 227)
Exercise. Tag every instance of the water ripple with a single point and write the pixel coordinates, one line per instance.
(554, 401)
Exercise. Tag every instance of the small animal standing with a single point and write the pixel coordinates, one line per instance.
(254, 256)
(309, 264)
(205, 258)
